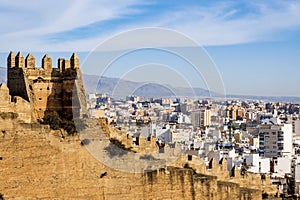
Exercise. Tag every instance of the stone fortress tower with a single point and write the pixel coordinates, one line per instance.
(46, 88)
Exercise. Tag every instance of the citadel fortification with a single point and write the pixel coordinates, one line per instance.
(39, 163)
(47, 88)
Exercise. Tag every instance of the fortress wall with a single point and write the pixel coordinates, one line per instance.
(4, 98)
(16, 83)
(39, 164)
(80, 94)
(206, 187)
(228, 190)
(247, 194)
(13, 108)
(23, 109)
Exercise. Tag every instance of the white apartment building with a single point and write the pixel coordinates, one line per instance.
(282, 166)
(200, 118)
(296, 174)
(275, 140)
(296, 127)
(181, 135)
(257, 164)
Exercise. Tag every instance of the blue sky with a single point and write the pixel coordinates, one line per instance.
(254, 44)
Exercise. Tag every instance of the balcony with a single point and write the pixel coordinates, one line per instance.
(280, 134)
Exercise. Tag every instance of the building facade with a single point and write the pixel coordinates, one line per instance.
(201, 118)
(275, 140)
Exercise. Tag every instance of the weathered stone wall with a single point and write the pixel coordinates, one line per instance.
(144, 146)
(249, 181)
(228, 190)
(248, 193)
(16, 108)
(4, 98)
(206, 187)
(37, 163)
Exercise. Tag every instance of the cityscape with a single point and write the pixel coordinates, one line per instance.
(264, 136)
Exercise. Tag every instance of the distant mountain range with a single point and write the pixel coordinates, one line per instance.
(119, 88)
(2, 75)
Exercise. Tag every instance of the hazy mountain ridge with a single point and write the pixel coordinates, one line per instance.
(288, 99)
(2, 75)
(121, 88)
(108, 85)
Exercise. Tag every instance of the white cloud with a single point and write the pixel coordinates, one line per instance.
(56, 16)
(24, 27)
(213, 26)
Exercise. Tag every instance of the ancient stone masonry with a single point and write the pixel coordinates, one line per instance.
(13, 108)
(58, 89)
(37, 163)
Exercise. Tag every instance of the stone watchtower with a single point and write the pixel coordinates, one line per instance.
(58, 89)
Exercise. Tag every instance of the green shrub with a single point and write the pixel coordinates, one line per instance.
(55, 121)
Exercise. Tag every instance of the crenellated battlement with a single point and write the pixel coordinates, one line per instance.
(30, 62)
(47, 88)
